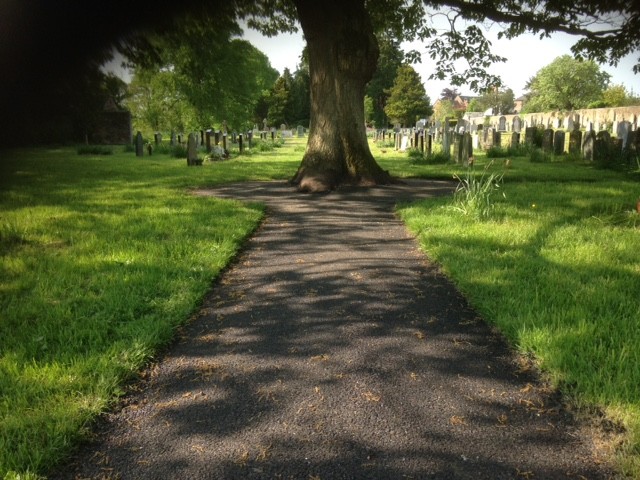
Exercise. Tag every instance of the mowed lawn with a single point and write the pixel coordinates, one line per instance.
(103, 257)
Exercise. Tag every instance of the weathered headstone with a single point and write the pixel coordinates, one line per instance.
(497, 139)
(601, 147)
(575, 141)
(558, 142)
(515, 139)
(489, 137)
(157, 138)
(201, 137)
(588, 145)
(516, 124)
(208, 140)
(224, 142)
(139, 145)
(547, 140)
(300, 131)
(192, 152)
(240, 142)
(502, 124)
(467, 148)
(457, 147)
(446, 138)
(622, 132)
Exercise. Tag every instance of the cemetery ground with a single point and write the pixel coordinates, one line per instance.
(104, 257)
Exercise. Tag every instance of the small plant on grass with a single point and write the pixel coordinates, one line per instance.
(474, 195)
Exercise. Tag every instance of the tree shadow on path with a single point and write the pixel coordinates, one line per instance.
(333, 349)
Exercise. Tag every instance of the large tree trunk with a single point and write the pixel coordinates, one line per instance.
(343, 53)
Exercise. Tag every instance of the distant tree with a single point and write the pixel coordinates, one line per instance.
(618, 96)
(299, 96)
(279, 101)
(407, 97)
(369, 111)
(116, 89)
(565, 84)
(449, 94)
(156, 104)
(500, 101)
(391, 57)
(444, 109)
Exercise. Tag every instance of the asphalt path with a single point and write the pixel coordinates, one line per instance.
(333, 348)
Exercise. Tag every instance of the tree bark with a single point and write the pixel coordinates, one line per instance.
(343, 53)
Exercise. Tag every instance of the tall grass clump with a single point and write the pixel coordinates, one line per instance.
(474, 195)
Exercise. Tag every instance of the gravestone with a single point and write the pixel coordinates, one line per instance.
(588, 145)
(446, 140)
(497, 139)
(429, 144)
(516, 124)
(201, 137)
(192, 152)
(250, 137)
(457, 147)
(575, 141)
(488, 138)
(216, 137)
(180, 139)
(157, 138)
(515, 139)
(467, 148)
(172, 139)
(558, 142)
(502, 124)
(139, 145)
(224, 142)
(622, 132)
(547, 140)
(264, 125)
(570, 124)
(208, 140)
(300, 131)
(240, 142)
(601, 147)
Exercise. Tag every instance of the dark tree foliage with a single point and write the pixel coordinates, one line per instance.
(48, 40)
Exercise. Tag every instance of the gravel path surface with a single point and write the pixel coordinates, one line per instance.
(333, 349)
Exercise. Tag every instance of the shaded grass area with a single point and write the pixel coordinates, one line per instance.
(556, 266)
(101, 258)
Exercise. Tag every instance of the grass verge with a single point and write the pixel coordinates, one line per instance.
(556, 266)
(101, 258)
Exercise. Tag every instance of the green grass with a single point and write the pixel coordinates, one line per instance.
(556, 266)
(103, 257)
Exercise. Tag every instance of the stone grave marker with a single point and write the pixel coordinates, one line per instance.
(575, 141)
(558, 142)
(588, 145)
(516, 124)
(502, 124)
(300, 131)
(622, 132)
(515, 139)
(157, 138)
(467, 148)
(192, 152)
(547, 140)
(208, 140)
(139, 145)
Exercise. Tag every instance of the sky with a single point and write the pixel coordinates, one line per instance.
(526, 55)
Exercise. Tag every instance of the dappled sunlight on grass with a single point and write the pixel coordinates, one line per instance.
(556, 270)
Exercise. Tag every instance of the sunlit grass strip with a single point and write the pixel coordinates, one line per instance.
(100, 261)
(557, 267)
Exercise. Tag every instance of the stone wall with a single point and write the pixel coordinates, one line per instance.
(595, 119)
